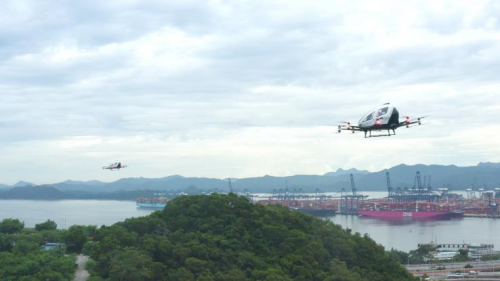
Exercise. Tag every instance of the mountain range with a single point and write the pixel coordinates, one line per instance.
(485, 175)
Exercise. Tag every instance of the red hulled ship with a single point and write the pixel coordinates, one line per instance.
(388, 209)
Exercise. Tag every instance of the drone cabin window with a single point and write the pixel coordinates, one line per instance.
(369, 117)
(382, 111)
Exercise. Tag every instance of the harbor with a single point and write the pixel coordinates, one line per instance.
(420, 202)
(402, 234)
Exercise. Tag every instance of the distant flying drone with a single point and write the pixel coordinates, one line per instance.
(384, 117)
(116, 166)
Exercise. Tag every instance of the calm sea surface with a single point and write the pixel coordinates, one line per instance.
(69, 212)
(402, 235)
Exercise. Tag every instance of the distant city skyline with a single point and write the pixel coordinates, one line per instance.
(214, 89)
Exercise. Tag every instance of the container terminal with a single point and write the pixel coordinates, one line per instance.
(419, 201)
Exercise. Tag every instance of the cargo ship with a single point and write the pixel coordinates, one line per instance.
(313, 207)
(316, 212)
(151, 203)
(387, 209)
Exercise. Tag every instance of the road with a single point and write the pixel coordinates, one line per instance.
(456, 265)
(488, 270)
(81, 274)
(482, 276)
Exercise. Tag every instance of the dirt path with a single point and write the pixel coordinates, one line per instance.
(81, 274)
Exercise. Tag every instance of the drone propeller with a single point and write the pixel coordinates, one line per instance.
(414, 125)
(416, 117)
(420, 118)
(409, 119)
(347, 126)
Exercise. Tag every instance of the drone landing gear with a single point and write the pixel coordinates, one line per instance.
(384, 135)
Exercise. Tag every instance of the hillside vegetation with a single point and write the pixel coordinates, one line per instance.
(22, 259)
(225, 237)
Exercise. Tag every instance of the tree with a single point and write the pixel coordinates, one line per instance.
(181, 274)
(462, 255)
(25, 247)
(11, 226)
(225, 237)
(130, 265)
(490, 257)
(76, 238)
(195, 265)
(28, 262)
(5, 242)
(91, 248)
(400, 256)
(48, 225)
(418, 255)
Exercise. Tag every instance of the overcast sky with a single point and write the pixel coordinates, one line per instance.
(241, 88)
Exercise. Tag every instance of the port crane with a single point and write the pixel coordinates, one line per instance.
(230, 185)
(419, 191)
(389, 185)
(353, 186)
(382, 118)
(419, 183)
(471, 193)
(351, 202)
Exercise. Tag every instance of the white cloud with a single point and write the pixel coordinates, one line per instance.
(241, 88)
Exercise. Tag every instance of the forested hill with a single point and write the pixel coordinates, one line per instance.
(33, 192)
(224, 237)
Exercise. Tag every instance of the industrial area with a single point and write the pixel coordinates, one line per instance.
(419, 201)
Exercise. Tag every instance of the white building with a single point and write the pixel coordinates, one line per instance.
(476, 251)
(443, 256)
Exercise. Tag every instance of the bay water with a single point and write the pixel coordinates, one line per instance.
(402, 234)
